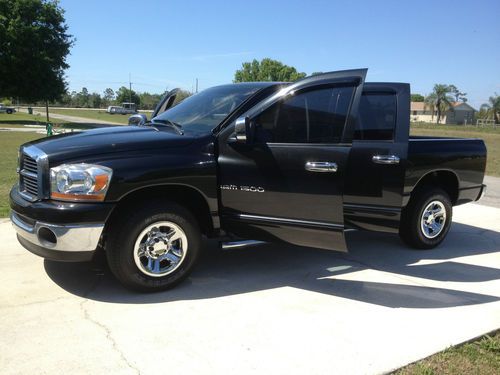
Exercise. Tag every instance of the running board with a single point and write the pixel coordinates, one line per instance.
(239, 244)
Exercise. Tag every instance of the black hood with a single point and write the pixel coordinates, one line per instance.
(110, 140)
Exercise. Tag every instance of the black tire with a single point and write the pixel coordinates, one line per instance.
(125, 231)
(411, 231)
(9, 111)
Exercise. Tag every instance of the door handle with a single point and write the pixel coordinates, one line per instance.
(385, 159)
(321, 166)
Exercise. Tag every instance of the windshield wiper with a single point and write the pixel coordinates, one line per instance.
(175, 125)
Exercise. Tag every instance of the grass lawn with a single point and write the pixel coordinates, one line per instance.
(490, 136)
(100, 115)
(478, 357)
(468, 128)
(9, 145)
(20, 119)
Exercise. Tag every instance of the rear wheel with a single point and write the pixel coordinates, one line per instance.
(426, 220)
(155, 247)
(9, 111)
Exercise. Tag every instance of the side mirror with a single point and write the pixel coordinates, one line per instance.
(138, 119)
(244, 130)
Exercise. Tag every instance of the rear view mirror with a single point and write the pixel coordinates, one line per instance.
(244, 130)
(138, 119)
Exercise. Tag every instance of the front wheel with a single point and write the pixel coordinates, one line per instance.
(426, 220)
(154, 248)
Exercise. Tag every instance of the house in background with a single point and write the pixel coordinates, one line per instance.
(461, 114)
(418, 113)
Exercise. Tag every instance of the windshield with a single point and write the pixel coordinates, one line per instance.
(202, 112)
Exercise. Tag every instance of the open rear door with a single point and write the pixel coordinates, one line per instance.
(288, 184)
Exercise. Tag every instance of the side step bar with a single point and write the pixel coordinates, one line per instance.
(239, 244)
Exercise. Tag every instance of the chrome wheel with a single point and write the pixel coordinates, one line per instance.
(433, 219)
(160, 249)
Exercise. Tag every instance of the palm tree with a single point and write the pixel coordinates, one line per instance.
(493, 107)
(429, 104)
(439, 100)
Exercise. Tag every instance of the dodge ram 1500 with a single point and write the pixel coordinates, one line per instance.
(296, 162)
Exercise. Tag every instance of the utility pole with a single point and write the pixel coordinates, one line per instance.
(196, 85)
(130, 88)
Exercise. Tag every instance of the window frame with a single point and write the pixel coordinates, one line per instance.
(356, 78)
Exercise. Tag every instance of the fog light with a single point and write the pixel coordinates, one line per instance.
(45, 235)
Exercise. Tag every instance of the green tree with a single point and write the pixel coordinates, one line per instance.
(108, 96)
(34, 44)
(149, 101)
(458, 94)
(267, 70)
(74, 96)
(439, 100)
(125, 95)
(95, 100)
(66, 99)
(181, 95)
(82, 98)
(492, 108)
(417, 98)
(6, 101)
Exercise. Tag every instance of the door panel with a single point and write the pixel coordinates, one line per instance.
(283, 197)
(373, 199)
(267, 189)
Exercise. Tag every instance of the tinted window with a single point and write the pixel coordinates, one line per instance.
(315, 116)
(204, 111)
(377, 116)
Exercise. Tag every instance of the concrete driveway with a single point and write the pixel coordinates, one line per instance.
(266, 310)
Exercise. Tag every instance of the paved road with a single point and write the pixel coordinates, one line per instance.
(492, 196)
(75, 119)
(24, 130)
(37, 129)
(270, 309)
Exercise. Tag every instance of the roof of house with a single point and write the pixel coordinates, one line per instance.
(462, 106)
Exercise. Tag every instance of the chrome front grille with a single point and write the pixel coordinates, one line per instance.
(31, 164)
(28, 177)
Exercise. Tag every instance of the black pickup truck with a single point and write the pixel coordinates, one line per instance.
(297, 162)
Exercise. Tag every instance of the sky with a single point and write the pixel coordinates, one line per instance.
(165, 44)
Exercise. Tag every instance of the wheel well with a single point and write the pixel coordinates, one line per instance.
(186, 196)
(446, 180)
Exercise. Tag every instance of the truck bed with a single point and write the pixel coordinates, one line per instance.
(465, 158)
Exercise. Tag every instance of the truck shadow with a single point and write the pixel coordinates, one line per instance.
(348, 276)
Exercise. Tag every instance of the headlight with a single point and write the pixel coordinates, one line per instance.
(79, 182)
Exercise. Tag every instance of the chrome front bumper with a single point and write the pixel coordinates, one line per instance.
(54, 238)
